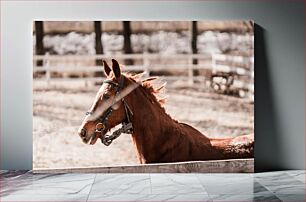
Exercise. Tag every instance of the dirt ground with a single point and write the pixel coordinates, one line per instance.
(59, 112)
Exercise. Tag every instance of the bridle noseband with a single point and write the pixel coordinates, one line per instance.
(127, 126)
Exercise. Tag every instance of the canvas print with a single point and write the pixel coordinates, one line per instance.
(129, 93)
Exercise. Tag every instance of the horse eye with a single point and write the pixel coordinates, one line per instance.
(106, 96)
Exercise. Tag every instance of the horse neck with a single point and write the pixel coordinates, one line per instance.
(149, 121)
(155, 130)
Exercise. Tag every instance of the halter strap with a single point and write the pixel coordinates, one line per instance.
(118, 85)
(127, 126)
(111, 82)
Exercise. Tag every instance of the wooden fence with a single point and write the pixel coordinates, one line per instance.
(206, 62)
(217, 166)
(230, 64)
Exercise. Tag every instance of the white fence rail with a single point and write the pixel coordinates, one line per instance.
(60, 64)
(231, 66)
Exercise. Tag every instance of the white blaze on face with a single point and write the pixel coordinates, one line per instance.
(100, 109)
(97, 111)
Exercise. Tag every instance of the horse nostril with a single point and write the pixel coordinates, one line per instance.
(83, 132)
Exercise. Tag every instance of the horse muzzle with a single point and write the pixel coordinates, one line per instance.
(83, 134)
(91, 139)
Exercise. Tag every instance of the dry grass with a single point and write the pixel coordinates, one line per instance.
(58, 114)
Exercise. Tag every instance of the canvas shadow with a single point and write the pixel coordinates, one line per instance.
(268, 153)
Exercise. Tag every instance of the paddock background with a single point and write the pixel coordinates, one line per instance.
(279, 127)
(64, 87)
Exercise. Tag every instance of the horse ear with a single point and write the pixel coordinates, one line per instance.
(107, 69)
(116, 68)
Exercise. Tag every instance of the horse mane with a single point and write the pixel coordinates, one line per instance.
(147, 85)
(151, 92)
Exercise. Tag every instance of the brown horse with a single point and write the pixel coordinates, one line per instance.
(157, 137)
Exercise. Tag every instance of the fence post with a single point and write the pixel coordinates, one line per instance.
(251, 84)
(46, 65)
(146, 63)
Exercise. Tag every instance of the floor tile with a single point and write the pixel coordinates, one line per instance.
(287, 189)
(15, 180)
(266, 198)
(245, 198)
(217, 184)
(295, 171)
(14, 174)
(292, 197)
(298, 175)
(48, 184)
(271, 186)
(260, 189)
(150, 197)
(112, 184)
(272, 175)
(282, 184)
(175, 184)
(221, 178)
(43, 198)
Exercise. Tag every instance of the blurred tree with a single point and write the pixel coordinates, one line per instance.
(98, 45)
(194, 38)
(39, 34)
(127, 41)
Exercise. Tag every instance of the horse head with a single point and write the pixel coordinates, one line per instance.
(110, 107)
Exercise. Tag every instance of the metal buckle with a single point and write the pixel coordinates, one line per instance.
(106, 140)
(100, 127)
(127, 128)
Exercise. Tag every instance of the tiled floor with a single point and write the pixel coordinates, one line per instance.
(272, 186)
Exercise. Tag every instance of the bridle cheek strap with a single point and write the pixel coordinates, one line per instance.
(127, 126)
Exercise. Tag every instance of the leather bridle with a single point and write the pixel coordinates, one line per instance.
(127, 126)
